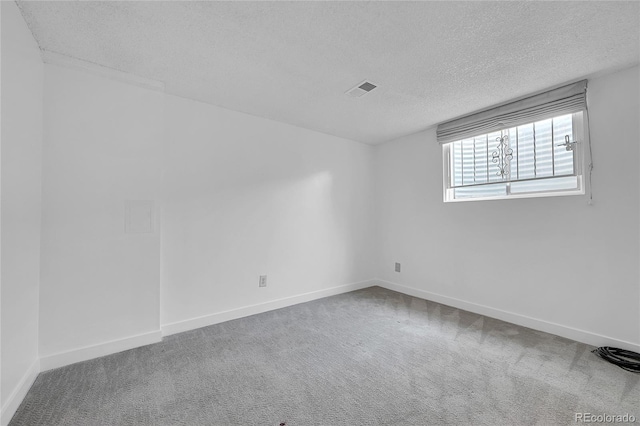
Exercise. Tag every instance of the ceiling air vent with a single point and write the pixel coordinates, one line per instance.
(361, 89)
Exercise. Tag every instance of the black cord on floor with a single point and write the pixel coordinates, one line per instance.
(624, 359)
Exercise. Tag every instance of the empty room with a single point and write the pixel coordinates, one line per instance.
(319, 213)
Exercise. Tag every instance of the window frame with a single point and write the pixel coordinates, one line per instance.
(579, 134)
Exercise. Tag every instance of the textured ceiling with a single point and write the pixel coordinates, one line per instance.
(293, 61)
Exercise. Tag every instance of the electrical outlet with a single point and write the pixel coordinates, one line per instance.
(263, 281)
(397, 267)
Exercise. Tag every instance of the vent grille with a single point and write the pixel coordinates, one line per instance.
(361, 89)
(366, 86)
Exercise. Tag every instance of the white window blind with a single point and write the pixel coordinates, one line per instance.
(532, 157)
(560, 101)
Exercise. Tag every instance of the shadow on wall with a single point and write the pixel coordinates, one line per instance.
(289, 229)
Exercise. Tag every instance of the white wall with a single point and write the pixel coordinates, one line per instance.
(562, 262)
(247, 196)
(22, 80)
(102, 146)
(243, 196)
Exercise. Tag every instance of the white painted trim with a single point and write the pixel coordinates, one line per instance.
(61, 359)
(54, 58)
(20, 391)
(48, 362)
(218, 317)
(578, 335)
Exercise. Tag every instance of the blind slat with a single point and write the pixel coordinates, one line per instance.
(563, 100)
(535, 154)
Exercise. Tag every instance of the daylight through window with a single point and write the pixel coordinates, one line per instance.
(529, 147)
(542, 157)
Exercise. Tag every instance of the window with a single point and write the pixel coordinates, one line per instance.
(532, 147)
(542, 158)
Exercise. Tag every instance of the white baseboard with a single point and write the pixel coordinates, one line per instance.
(218, 317)
(20, 391)
(61, 359)
(578, 335)
(48, 362)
